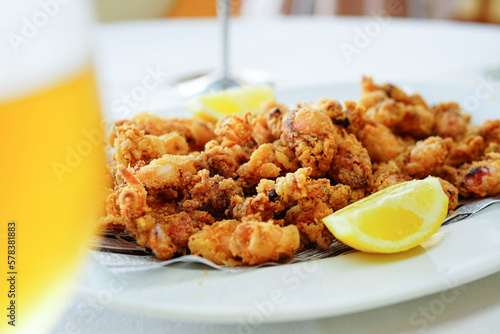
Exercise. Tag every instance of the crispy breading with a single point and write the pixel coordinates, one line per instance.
(451, 191)
(311, 135)
(421, 159)
(231, 242)
(403, 114)
(468, 149)
(255, 187)
(380, 142)
(167, 171)
(212, 242)
(261, 242)
(196, 132)
(211, 194)
(267, 161)
(386, 175)
(351, 165)
(450, 121)
(480, 178)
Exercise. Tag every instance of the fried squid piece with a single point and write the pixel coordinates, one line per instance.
(307, 201)
(127, 202)
(300, 188)
(212, 243)
(132, 145)
(389, 105)
(221, 160)
(262, 206)
(166, 236)
(371, 94)
(381, 143)
(265, 205)
(272, 113)
(211, 194)
(262, 164)
(310, 133)
(450, 121)
(468, 149)
(196, 132)
(386, 175)
(261, 130)
(490, 131)
(230, 242)
(333, 109)
(451, 192)
(354, 118)
(170, 171)
(405, 120)
(422, 159)
(260, 242)
(309, 211)
(351, 165)
(237, 130)
(233, 146)
(480, 178)
(267, 161)
(313, 233)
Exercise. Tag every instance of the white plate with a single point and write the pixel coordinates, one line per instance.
(457, 254)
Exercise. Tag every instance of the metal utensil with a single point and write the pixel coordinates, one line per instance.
(469, 208)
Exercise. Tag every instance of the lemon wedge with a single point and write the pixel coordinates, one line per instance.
(392, 220)
(213, 106)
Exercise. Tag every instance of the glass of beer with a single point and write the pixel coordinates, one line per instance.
(51, 156)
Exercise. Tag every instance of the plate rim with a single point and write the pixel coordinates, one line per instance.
(214, 316)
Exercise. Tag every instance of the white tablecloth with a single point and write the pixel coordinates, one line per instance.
(299, 52)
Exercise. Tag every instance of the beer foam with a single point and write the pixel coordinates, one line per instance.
(43, 42)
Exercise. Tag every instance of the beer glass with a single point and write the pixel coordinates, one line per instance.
(51, 157)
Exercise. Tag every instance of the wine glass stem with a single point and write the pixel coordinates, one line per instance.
(224, 17)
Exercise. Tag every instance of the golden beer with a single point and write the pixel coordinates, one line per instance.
(51, 181)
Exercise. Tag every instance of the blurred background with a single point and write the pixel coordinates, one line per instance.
(484, 11)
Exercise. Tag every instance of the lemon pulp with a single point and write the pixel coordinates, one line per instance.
(213, 106)
(388, 224)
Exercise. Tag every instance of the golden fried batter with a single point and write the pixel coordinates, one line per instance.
(450, 121)
(403, 114)
(212, 242)
(386, 175)
(167, 171)
(196, 132)
(220, 160)
(332, 108)
(480, 178)
(380, 142)
(133, 145)
(273, 114)
(490, 131)
(260, 242)
(267, 161)
(168, 235)
(230, 242)
(211, 194)
(424, 157)
(351, 165)
(468, 149)
(312, 136)
(254, 188)
(452, 192)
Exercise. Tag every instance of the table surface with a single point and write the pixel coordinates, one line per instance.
(299, 52)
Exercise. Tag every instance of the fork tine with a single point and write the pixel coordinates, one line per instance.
(470, 208)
